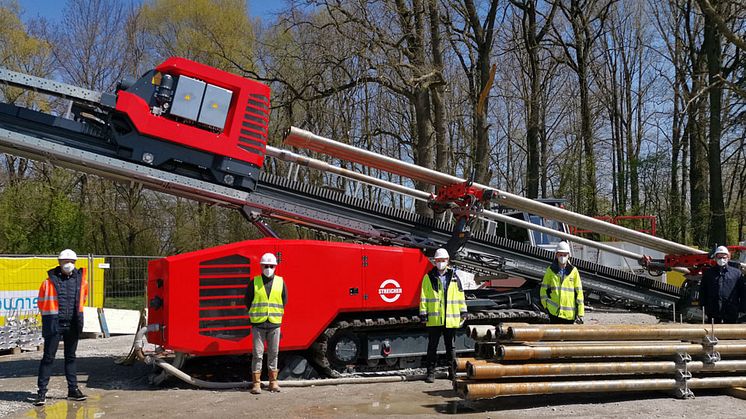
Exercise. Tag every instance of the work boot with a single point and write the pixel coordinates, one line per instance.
(430, 377)
(76, 395)
(274, 385)
(256, 383)
(41, 398)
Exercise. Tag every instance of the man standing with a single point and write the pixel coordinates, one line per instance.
(722, 290)
(561, 290)
(62, 297)
(442, 307)
(266, 297)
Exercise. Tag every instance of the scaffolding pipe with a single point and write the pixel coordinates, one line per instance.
(625, 332)
(476, 391)
(485, 371)
(522, 353)
(307, 140)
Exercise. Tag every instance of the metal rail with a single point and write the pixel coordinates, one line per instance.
(55, 88)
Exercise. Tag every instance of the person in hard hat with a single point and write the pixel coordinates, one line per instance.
(442, 308)
(722, 290)
(266, 297)
(62, 297)
(561, 290)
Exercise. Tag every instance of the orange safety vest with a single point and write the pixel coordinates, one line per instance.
(48, 303)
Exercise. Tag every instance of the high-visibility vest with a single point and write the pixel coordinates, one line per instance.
(563, 298)
(48, 302)
(265, 307)
(439, 310)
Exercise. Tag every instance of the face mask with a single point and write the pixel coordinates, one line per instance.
(268, 272)
(722, 262)
(441, 265)
(68, 268)
(562, 260)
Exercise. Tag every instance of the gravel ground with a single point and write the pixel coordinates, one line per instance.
(123, 391)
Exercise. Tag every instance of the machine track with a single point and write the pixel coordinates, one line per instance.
(322, 352)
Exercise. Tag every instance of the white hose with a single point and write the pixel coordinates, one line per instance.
(181, 375)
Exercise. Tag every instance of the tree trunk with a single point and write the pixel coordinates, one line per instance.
(712, 50)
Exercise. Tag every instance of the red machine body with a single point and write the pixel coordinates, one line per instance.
(197, 298)
(244, 136)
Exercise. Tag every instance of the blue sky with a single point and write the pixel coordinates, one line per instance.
(52, 9)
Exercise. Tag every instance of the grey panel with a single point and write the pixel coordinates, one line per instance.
(188, 98)
(215, 106)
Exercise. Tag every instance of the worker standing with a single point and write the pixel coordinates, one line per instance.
(62, 297)
(442, 307)
(722, 290)
(561, 289)
(266, 297)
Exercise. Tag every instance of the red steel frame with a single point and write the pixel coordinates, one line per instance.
(324, 280)
(225, 143)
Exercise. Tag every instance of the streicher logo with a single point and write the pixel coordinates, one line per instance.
(389, 291)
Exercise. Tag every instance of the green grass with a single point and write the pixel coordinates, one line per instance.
(125, 303)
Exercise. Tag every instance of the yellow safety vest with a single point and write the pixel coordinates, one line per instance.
(265, 307)
(441, 310)
(563, 300)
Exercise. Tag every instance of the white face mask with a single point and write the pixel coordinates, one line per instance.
(268, 272)
(68, 268)
(721, 262)
(441, 265)
(562, 259)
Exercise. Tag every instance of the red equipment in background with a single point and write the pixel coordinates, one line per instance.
(197, 298)
(695, 263)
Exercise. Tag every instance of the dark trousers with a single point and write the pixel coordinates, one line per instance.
(433, 338)
(69, 335)
(557, 320)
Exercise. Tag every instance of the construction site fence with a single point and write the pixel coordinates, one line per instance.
(114, 282)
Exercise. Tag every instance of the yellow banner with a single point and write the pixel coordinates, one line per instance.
(21, 277)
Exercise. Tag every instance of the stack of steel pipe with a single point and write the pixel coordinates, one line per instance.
(522, 359)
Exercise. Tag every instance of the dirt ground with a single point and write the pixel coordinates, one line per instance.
(123, 391)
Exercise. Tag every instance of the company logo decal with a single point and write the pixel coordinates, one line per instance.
(389, 291)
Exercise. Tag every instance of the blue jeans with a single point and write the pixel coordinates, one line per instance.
(69, 335)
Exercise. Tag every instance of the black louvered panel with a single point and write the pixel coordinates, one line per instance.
(255, 124)
(222, 287)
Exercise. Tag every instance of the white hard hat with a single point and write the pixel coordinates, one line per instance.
(67, 254)
(441, 254)
(563, 247)
(268, 259)
(722, 249)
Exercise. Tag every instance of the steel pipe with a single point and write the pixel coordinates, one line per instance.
(461, 364)
(625, 332)
(291, 157)
(485, 371)
(515, 352)
(476, 391)
(307, 140)
(481, 332)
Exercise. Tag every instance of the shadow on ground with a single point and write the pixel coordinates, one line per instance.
(509, 403)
